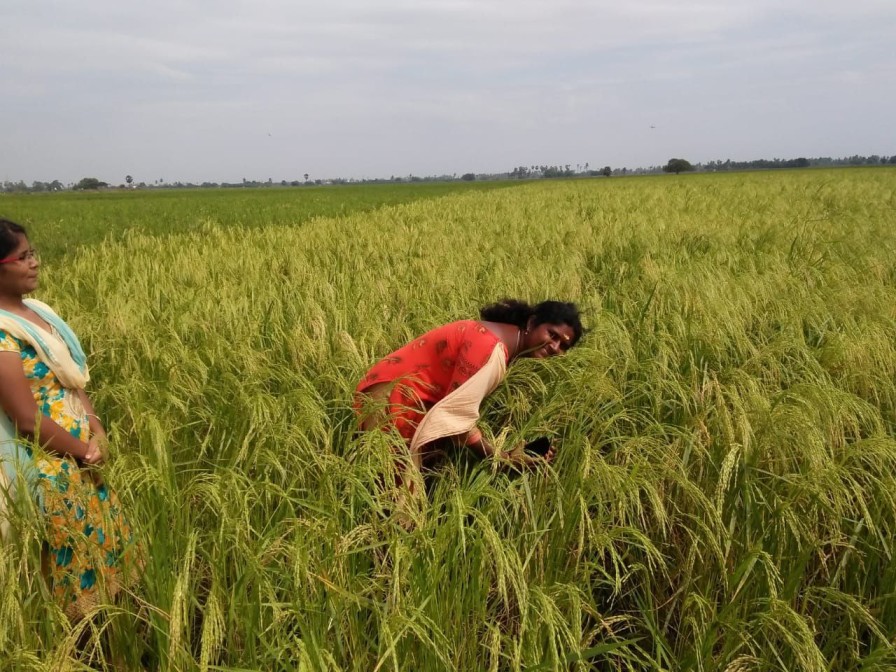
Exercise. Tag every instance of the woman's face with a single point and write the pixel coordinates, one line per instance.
(547, 340)
(19, 269)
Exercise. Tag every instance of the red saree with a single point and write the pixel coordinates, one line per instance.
(445, 373)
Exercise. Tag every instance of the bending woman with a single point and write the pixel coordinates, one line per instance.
(431, 388)
(42, 377)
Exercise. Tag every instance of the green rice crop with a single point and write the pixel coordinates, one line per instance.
(71, 219)
(724, 496)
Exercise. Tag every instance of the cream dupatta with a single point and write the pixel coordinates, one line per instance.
(457, 412)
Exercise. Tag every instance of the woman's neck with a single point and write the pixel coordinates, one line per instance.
(509, 334)
(14, 303)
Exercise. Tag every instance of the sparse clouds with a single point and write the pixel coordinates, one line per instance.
(467, 85)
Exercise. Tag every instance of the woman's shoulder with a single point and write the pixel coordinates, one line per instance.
(462, 325)
(459, 326)
(472, 333)
(39, 306)
(468, 328)
(454, 335)
(45, 312)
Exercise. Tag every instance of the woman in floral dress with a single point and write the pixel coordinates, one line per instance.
(49, 433)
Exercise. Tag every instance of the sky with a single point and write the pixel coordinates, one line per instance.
(224, 90)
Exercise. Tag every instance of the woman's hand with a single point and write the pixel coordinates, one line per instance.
(518, 457)
(94, 455)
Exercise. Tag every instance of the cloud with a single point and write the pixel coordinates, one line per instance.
(440, 85)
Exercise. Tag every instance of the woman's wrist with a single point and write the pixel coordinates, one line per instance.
(77, 450)
(477, 442)
(96, 426)
(516, 456)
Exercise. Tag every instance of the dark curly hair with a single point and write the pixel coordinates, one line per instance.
(518, 313)
(9, 236)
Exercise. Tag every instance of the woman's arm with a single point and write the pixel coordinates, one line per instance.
(477, 442)
(96, 426)
(98, 436)
(517, 457)
(18, 403)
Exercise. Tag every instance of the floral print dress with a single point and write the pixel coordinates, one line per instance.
(88, 539)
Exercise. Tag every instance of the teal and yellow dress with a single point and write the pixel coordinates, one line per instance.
(88, 540)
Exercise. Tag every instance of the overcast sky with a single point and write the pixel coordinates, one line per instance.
(226, 89)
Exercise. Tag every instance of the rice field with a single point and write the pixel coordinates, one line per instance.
(724, 496)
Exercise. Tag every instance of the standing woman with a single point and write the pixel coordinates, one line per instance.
(43, 373)
(431, 388)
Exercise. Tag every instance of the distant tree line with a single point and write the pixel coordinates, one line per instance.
(55, 185)
(531, 172)
(772, 164)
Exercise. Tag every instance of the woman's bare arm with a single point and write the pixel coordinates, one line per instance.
(17, 401)
(96, 425)
(478, 443)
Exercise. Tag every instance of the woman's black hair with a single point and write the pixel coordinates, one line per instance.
(518, 313)
(9, 236)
